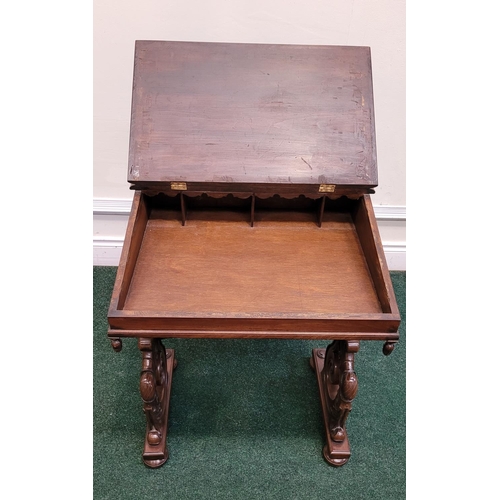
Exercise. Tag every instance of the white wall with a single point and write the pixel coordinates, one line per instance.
(117, 24)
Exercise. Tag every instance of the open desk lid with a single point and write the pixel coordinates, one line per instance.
(252, 117)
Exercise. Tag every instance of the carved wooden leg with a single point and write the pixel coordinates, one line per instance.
(155, 386)
(338, 386)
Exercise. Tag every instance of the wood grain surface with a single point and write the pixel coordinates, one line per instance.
(251, 114)
(225, 266)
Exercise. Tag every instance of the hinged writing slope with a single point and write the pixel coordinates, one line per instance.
(252, 118)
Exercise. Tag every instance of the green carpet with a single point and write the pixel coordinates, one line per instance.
(245, 419)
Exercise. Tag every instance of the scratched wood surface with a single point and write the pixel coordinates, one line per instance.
(252, 114)
(284, 264)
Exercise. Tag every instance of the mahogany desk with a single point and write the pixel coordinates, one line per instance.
(252, 167)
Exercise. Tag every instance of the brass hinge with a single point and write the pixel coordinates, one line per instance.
(326, 188)
(178, 186)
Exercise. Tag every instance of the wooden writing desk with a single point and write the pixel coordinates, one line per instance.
(252, 167)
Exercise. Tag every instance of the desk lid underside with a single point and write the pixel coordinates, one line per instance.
(252, 114)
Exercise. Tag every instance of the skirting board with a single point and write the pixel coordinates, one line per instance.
(107, 250)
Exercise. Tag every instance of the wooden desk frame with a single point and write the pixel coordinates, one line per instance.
(367, 275)
(253, 166)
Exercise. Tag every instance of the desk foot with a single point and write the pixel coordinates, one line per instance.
(338, 386)
(331, 455)
(158, 364)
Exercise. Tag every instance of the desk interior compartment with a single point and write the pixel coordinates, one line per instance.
(243, 256)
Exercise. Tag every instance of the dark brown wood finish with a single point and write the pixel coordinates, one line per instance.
(133, 239)
(158, 364)
(252, 114)
(252, 166)
(377, 326)
(260, 190)
(369, 237)
(230, 281)
(219, 333)
(338, 385)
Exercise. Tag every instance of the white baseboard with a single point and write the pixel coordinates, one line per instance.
(107, 250)
(396, 257)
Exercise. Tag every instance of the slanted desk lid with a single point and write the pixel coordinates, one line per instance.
(252, 117)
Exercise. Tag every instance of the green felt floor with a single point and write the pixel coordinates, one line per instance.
(245, 419)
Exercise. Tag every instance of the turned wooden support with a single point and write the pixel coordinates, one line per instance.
(155, 386)
(340, 385)
(388, 347)
(152, 386)
(116, 343)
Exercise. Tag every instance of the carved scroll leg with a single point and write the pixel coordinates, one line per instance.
(155, 386)
(338, 386)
